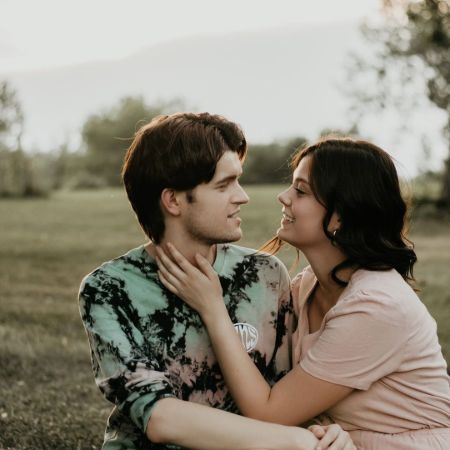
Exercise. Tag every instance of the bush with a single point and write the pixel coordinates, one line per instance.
(85, 180)
(22, 175)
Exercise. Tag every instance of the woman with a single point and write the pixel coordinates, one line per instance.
(366, 348)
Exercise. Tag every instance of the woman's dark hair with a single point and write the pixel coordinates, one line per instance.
(359, 182)
(179, 151)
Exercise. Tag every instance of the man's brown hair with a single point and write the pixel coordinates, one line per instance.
(178, 151)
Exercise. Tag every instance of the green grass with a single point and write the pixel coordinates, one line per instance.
(48, 399)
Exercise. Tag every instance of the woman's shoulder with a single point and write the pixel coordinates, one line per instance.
(383, 293)
(304, 276)
(385, 283)
(301, 286)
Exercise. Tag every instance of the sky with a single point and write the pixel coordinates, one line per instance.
(51, 33)
(46, 34)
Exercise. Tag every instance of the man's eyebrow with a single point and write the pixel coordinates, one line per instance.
(227, 179)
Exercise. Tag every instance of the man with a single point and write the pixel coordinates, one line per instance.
(151, 355)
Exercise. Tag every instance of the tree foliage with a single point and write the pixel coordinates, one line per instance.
(411, 43)
(107, 135)
(11, 117)
(269, 163)
(21, 175)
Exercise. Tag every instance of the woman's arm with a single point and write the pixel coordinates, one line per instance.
(296, 398)
(194, 426)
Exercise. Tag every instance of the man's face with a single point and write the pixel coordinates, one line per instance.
(213, 215)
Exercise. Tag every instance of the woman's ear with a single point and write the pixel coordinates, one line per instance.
(170, 202)
(335, 222)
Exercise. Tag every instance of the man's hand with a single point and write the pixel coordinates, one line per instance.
(332, 437)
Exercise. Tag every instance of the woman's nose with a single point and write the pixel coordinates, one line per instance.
(283, 197)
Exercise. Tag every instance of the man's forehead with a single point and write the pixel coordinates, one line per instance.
(228, 165)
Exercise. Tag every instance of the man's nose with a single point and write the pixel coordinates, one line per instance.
(242, 196)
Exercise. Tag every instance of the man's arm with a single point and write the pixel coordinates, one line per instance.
(128, 375)
(194, 426)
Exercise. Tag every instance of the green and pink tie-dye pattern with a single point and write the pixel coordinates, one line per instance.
(146, 344)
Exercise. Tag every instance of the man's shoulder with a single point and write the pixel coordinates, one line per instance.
(246, 252)
(237, 250)
(236, 253)
(117, 269)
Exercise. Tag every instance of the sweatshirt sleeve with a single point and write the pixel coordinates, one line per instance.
(286, 321)
(124, 372)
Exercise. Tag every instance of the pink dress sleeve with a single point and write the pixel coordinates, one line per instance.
(359, 342)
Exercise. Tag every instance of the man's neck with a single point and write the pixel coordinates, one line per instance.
(186, 246)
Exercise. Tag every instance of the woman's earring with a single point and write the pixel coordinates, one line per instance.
(334, 233)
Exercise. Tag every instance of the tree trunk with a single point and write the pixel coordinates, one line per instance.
(444, 201)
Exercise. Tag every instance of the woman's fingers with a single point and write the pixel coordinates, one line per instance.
(339, 444)
(317, 430)
(332, 435)
(343, 441)
(165, 262)
(179, 258)
(199, 287)
(205, 266)
(167, 284)
(169, 278)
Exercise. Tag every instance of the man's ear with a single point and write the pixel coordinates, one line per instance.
(170, 202)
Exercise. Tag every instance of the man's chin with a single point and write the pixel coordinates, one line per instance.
(230, 238)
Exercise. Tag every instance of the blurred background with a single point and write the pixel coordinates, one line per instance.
(77, 79)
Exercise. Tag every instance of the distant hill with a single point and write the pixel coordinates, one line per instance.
(277, 83)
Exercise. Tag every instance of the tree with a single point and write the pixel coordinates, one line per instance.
(270, 163)
(11, 118)
(16, 175)
(107, 135)
(412, 43)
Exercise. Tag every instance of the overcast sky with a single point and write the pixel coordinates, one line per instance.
(47, 33)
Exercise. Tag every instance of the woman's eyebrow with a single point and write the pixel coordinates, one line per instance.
(301, 180)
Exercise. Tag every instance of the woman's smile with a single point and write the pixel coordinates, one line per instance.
(287, 219)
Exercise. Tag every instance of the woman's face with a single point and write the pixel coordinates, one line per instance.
(301, 225)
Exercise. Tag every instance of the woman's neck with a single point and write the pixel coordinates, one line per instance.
(322, 262)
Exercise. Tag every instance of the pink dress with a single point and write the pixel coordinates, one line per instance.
(380, 340)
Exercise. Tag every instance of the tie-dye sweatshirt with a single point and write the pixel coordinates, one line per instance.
(146, 344)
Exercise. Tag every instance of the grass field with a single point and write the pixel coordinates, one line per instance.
(48, 399)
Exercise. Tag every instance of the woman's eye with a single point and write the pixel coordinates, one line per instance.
(299, 191)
